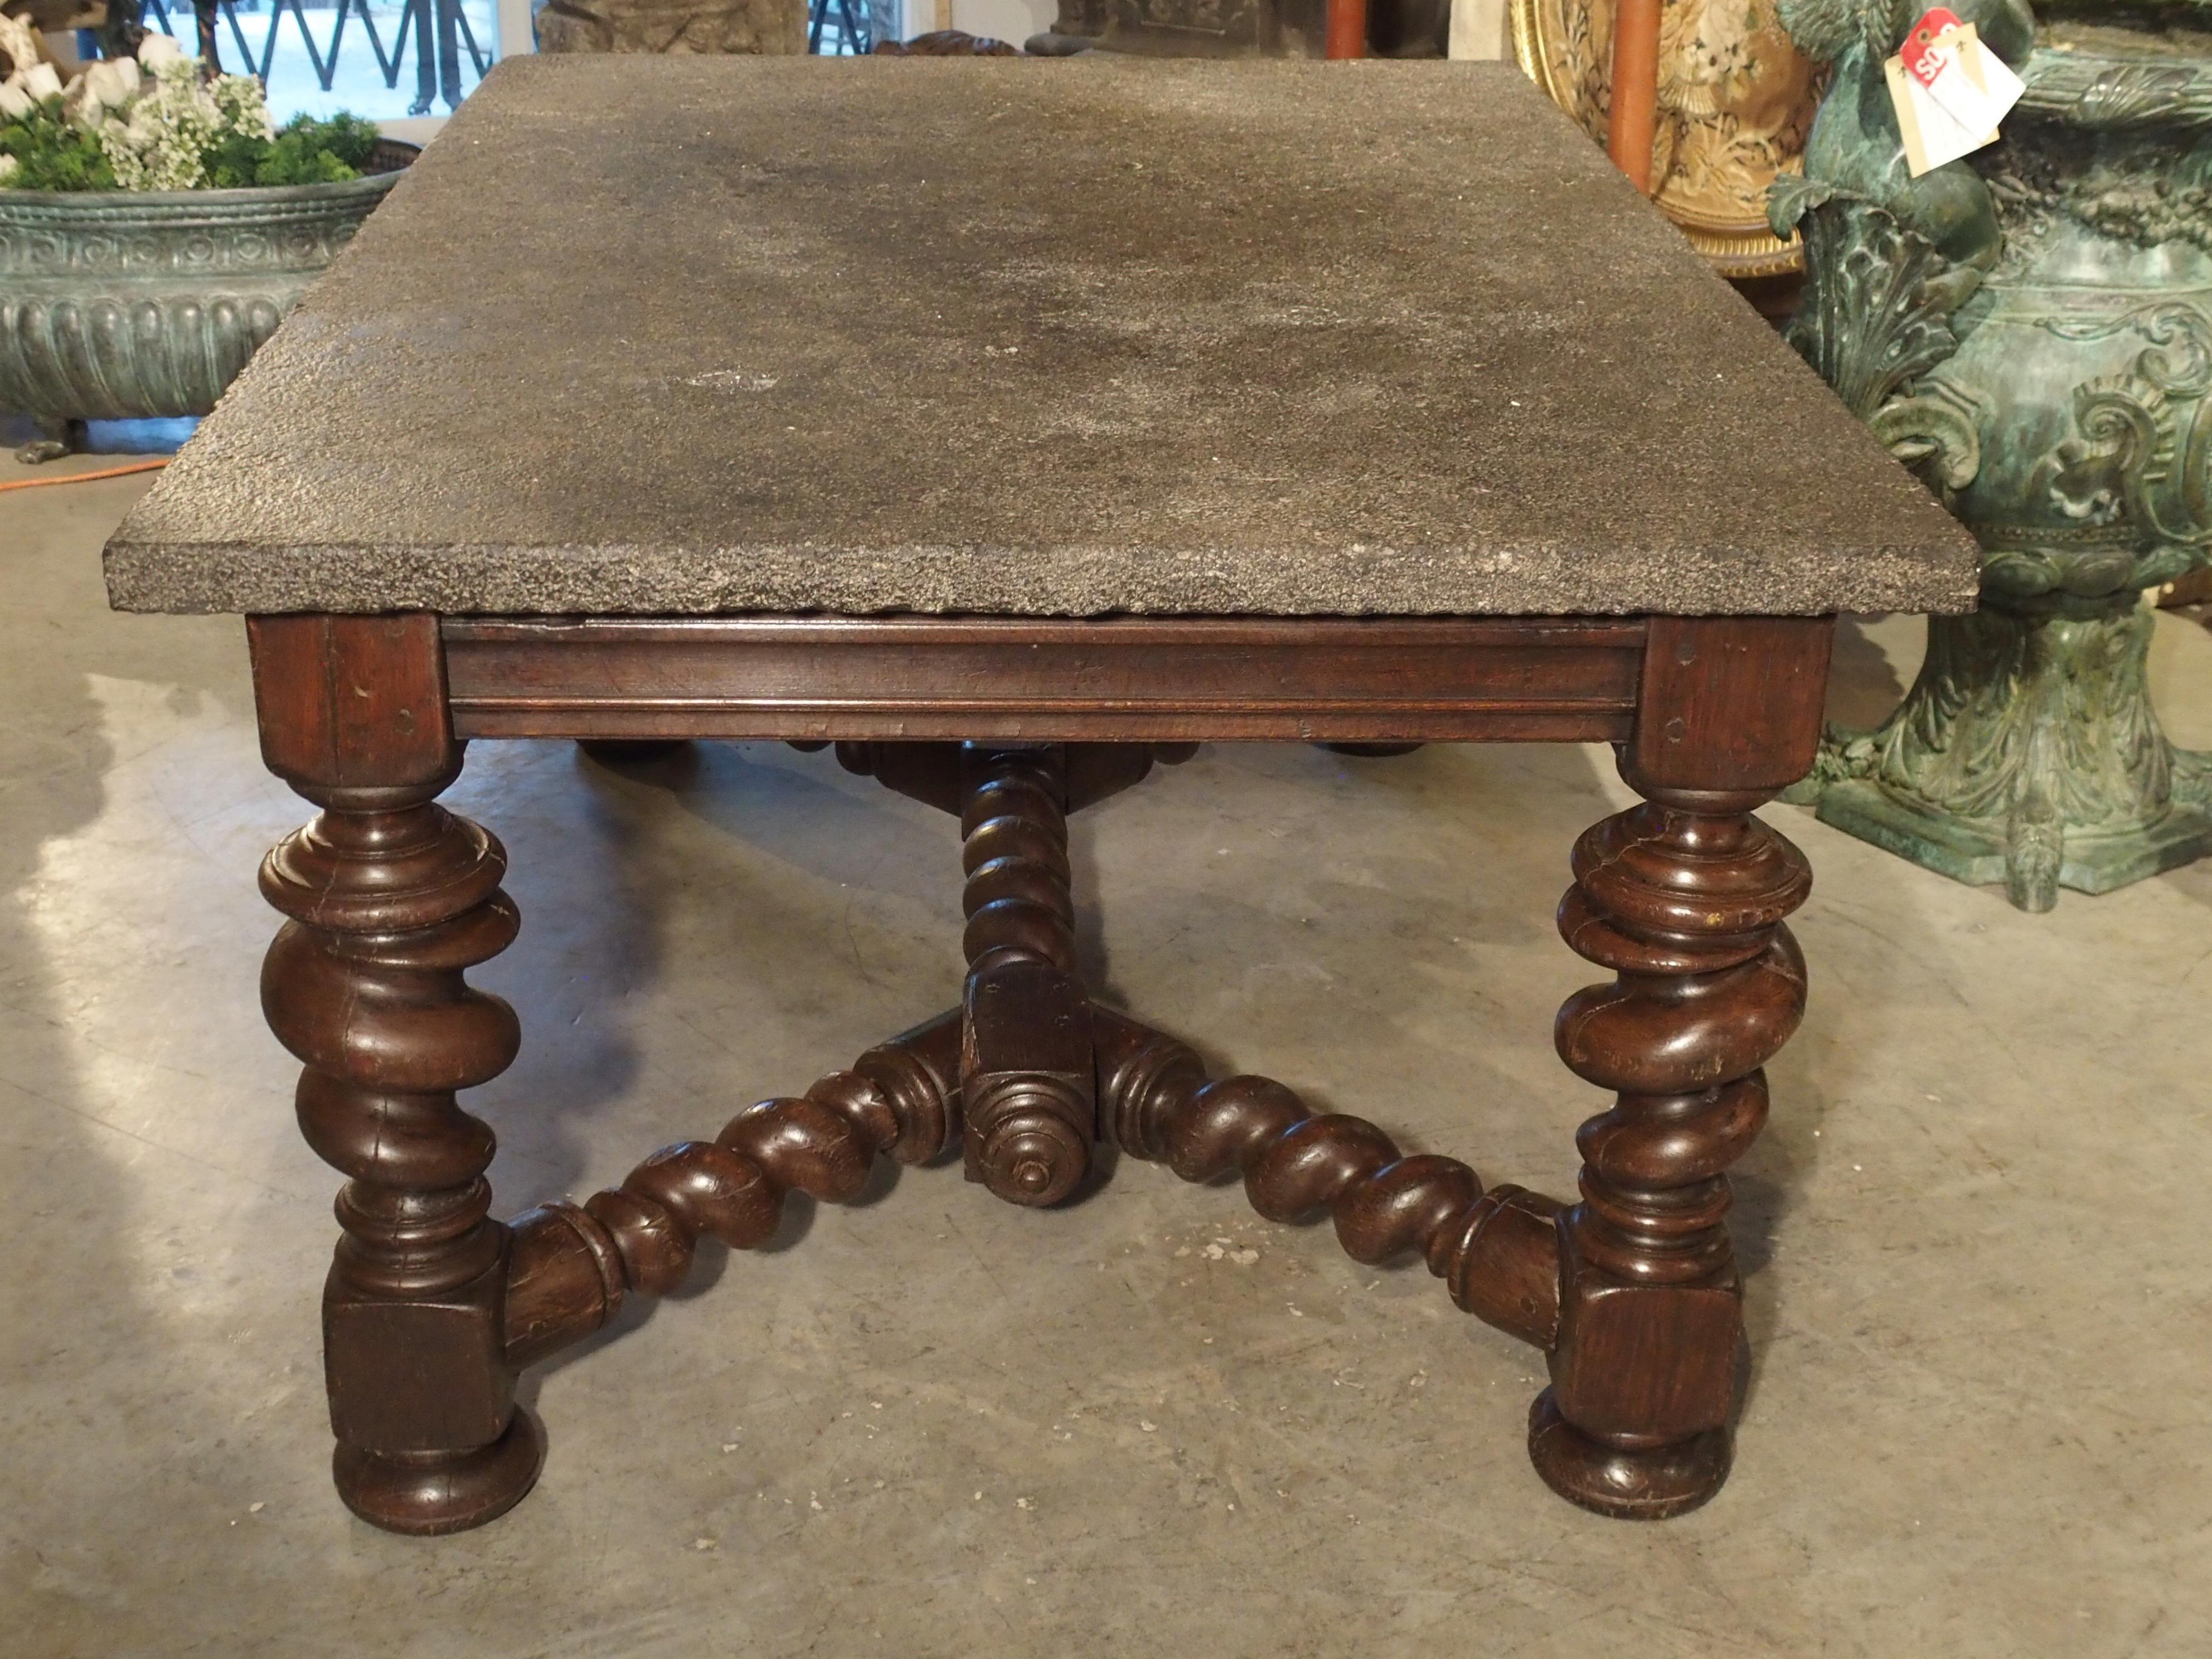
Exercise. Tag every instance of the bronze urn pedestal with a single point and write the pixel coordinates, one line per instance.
(2031, 328)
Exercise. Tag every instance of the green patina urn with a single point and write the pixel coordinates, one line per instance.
(116, 304)
(2031, 329)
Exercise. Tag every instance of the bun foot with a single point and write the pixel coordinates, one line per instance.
(427, 1493)
(1650, 1484)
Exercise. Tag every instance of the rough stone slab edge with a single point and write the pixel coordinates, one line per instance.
(208, 579)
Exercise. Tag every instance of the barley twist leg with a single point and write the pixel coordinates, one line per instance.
(390, 898)
(1683, 897)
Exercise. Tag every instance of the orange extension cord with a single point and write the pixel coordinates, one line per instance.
(86, 478)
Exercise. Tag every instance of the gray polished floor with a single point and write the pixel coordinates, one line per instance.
(1149, 1425)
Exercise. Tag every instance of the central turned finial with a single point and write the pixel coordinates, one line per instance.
(1026, 1149)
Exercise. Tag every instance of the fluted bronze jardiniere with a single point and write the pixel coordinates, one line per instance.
(2032, 329)
(120, 304)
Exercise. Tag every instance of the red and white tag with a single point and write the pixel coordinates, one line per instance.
(1935, 55)
(1949, 92)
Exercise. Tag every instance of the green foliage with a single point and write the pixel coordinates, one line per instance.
(233, 160)
(351, 138)
(52, 153)
(306, 151)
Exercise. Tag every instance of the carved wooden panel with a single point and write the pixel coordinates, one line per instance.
(1736, 99)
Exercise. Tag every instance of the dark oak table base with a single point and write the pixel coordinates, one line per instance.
(433, 1308)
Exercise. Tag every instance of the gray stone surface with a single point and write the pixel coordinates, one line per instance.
(1024, 336)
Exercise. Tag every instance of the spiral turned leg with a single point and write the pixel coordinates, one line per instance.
(1027, 1086)
(391, 898)
(1013, 851)
(572, 1265)
(1683, 897)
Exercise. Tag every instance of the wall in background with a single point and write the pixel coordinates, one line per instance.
(1479, 30)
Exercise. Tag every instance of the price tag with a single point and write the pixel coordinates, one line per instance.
(1948, 90)
(1933, 46)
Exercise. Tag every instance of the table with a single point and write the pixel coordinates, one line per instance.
(1014, 425)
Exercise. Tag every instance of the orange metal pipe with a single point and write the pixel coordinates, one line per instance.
(1631, 120)
(1348, 28)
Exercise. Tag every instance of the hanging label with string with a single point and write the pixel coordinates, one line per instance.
(1948, 89)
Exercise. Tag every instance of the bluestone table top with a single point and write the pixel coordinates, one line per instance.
(1027, 336)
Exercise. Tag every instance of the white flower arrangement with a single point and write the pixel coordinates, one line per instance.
(157, 140)
(155, 120)
(26, 53)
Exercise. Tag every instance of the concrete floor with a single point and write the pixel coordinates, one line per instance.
(940, 1425)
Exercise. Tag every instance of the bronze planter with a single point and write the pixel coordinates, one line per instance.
(2031, 328)
(117, 305)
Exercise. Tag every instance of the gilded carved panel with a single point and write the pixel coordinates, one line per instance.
(1735, 101)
